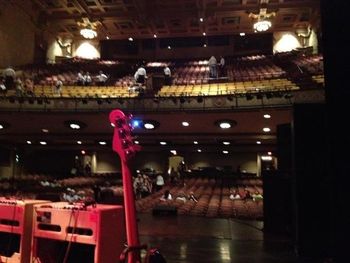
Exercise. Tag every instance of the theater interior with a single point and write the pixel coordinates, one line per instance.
(245, 146)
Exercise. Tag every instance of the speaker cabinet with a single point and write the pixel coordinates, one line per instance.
(71, 233)
(16, 218)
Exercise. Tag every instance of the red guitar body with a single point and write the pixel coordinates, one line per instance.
(123, 144)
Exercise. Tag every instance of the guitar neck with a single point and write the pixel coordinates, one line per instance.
(130, 214)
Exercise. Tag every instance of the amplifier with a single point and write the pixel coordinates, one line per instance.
(16, 218)
(64, 232)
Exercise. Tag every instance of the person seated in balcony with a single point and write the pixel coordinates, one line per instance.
(87, 79)
(58, 87)
(101, 78)
(29, 87)
(167, 196)
(80, 79)
(257, 196)
(192, 197)
(3, 89)
(235, 195)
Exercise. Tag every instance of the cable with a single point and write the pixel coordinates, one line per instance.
(66, 236)
(71, 238)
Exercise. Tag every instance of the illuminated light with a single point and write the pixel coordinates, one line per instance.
(102, 143)
(136, 142)
(169, 47)
(266, 158)
(83, 152)
(204, 45)
(185, 123)
(1, 127)
(199, 150)
(107, 37)
(287, 42)
(112, 124)
(204, 34)
(79, 142)
(130, 39)
(262, 25)
(43, 142)
(155, 36)
(242, 34)
(258, 142)
(88, 33)
(266, 129)
(195, 142)
(45, 130)
(74, 126)
(201, 19)
(162, 143)
(269, 153)
(29, 142)
(135, 123)
(267, 116)
(226, 143)
(225, 152)
(149, 126)
(225, 125)
(173, 152)
(87, 50)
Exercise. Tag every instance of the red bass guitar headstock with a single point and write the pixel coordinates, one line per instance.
(123, 142)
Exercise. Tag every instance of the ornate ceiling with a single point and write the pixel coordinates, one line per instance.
(121, 19)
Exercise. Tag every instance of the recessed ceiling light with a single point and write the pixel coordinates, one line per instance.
(226, 124)
(204, 34)
(201, 19)
(102, 142)
(155, 35)
(162, 143)
(173, 152)
(199, 150)
(204, 45)
(267, 116)
(258, 142)
(266, 129)
(242, 34)
(112, 124)
(169, 47)
(266, 158)
(269, 153)
(185, 123)
(130, 39)
(136, 142)
(4, 125)
(225, 152)
(43, 142)
(83, 152)
(45, 130)
(107, 37)
(79, 142)
(29, 142)
(195, 142)
(74, 125)
(226, 143)
(150, 124)
(1, 126)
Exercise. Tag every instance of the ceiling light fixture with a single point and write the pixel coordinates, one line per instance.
(262, 25)
(266, 129)
(150, 124)
(225, 124)
(88, 33)
(195, 142)
(29, 142)
(185, 123)
(226, 143)
(267, 116)
(162, 143)
(75, 125)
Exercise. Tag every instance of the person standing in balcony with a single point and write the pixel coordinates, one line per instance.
(167, 76)
(212, 67)
(101, 79)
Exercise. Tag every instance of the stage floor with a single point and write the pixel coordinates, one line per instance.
(188, 239)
